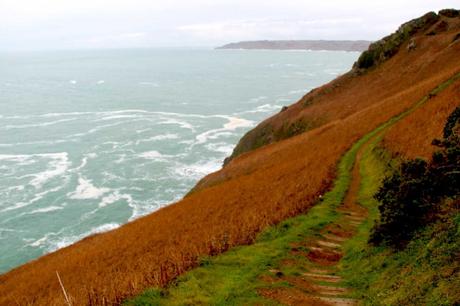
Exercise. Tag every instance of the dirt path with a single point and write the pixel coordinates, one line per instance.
(319, 256)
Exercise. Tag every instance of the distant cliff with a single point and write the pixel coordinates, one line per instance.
(332, 45)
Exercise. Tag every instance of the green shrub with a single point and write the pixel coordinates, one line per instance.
(409, 197)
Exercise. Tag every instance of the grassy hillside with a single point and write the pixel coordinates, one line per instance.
(426, 272)
(256, 190)
(235, 277)
(360, 89)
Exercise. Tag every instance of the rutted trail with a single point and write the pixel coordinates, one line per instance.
(319, 284)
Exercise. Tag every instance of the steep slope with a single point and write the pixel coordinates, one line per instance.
(413, 136)
(321, 105)
(257, 189)
(389, 77)
(319, 258)
(419, 265)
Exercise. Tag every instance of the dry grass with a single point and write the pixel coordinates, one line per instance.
(257, 189)
(412, 137)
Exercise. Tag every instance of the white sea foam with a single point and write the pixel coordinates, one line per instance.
(73, 82)
(136, 188)
(51, 115)
(40, 241)
(232, 124)
(39, 142)
(114, 144)
(265, 108)
(53, 241)
(9, 230)
(112, 117)
(197, 170)
(155, 155)
(183, 124)
(114, 113)
(96, 129)
(100, 82)
(143, 130)
(158, 138)
(220, 147)
(114, 197)
(14, 158)
(37, 125)
(58, 166)
(46, 209)
(85, 190)
(37, 196)
(84, 161)
(121, 159)
(15, 188)
(146, 207)
(104, 228)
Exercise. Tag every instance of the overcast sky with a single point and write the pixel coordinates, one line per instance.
(64, 24)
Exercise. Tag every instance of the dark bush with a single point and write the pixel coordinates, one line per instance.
(411, 195)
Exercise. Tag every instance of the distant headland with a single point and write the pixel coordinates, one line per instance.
(331, 45)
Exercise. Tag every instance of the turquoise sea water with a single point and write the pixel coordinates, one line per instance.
(90, 140)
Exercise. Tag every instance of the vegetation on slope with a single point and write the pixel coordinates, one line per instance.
(385, 48)
(411, 196)
(256, 190)
(236, 277)
(426, 271)
(411, 37)
(403, 142)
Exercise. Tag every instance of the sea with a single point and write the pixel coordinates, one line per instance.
(93, 139)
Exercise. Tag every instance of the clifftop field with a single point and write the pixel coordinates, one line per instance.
(278, 170)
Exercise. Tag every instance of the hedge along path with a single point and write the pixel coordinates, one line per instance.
(295, 262)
